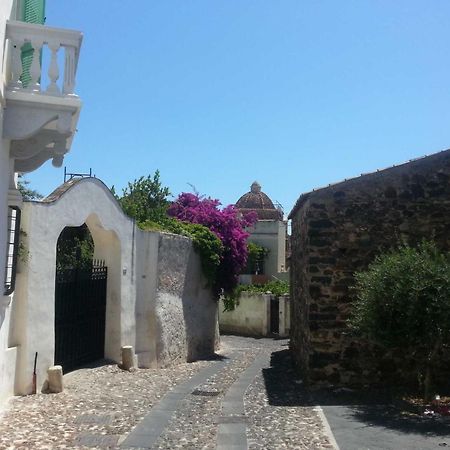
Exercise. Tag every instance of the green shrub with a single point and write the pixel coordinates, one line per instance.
(277, 288)
(403, 302)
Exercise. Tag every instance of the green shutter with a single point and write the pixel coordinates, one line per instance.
(33, 11)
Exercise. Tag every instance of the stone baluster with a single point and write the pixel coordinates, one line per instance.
(16, 66)
(53, 69)
(35, 70)
(69, 71)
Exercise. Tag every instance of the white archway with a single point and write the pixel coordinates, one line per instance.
(76, 202)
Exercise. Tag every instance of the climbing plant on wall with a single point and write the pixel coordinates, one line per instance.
(228, 224)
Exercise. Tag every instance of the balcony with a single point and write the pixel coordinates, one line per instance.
(40, 120)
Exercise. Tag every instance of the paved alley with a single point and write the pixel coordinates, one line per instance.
(246, 397)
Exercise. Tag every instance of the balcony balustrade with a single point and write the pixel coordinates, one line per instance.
(40, 120)
(37, 36)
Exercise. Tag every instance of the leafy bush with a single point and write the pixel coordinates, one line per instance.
(403, 302)
(227, 224)
(145, 199)
(28, 193)
(74, 248)
(277, 288)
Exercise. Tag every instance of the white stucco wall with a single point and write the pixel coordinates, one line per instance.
(7, 355)
(251, 317)
(88, 201)
(146, 283)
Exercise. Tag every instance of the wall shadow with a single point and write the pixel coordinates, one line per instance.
(282, 383)
(398, 419)
(370, 407)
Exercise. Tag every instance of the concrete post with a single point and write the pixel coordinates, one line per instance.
(55, 379)
(266, 317)
(128, 357)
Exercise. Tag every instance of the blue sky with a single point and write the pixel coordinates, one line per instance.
(294, 94)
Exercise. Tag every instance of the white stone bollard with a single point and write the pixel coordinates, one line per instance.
(127, 357)
(55, 379)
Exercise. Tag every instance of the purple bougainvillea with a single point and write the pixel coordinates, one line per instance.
(228, 224)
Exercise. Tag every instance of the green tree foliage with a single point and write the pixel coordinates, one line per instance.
(145, 199)
(75, 248)
(403, 302)
(26, 191)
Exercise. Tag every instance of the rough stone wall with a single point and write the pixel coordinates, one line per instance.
(186, 313)
(339, 230)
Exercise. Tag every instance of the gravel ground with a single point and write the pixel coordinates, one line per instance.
(101, 405)
(281, 426)
(195, 423)
(103, 401)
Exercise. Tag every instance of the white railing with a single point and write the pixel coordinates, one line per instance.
(23, 35)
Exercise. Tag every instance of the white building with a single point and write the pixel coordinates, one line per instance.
(269, 231)
(38, 116)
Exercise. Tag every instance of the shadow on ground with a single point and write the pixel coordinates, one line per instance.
(213, 357)
(368, 407)
(395, 418)
(283, 386)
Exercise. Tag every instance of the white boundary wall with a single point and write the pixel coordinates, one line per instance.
(251, 317)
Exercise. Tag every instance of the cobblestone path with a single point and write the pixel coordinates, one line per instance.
(247, 397)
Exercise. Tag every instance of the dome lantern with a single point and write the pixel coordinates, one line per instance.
(259, 202)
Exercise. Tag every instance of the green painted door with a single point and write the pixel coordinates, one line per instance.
(33, 11)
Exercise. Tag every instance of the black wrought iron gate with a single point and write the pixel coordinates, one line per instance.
(80, 306)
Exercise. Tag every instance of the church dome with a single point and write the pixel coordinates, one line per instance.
(259, 202)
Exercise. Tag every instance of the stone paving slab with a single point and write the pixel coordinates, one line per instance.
(234, 433)
(156, 421)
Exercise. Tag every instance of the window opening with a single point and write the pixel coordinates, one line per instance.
(12, 249)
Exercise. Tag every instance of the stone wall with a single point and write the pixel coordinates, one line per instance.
(185, 312)
(338, 230)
